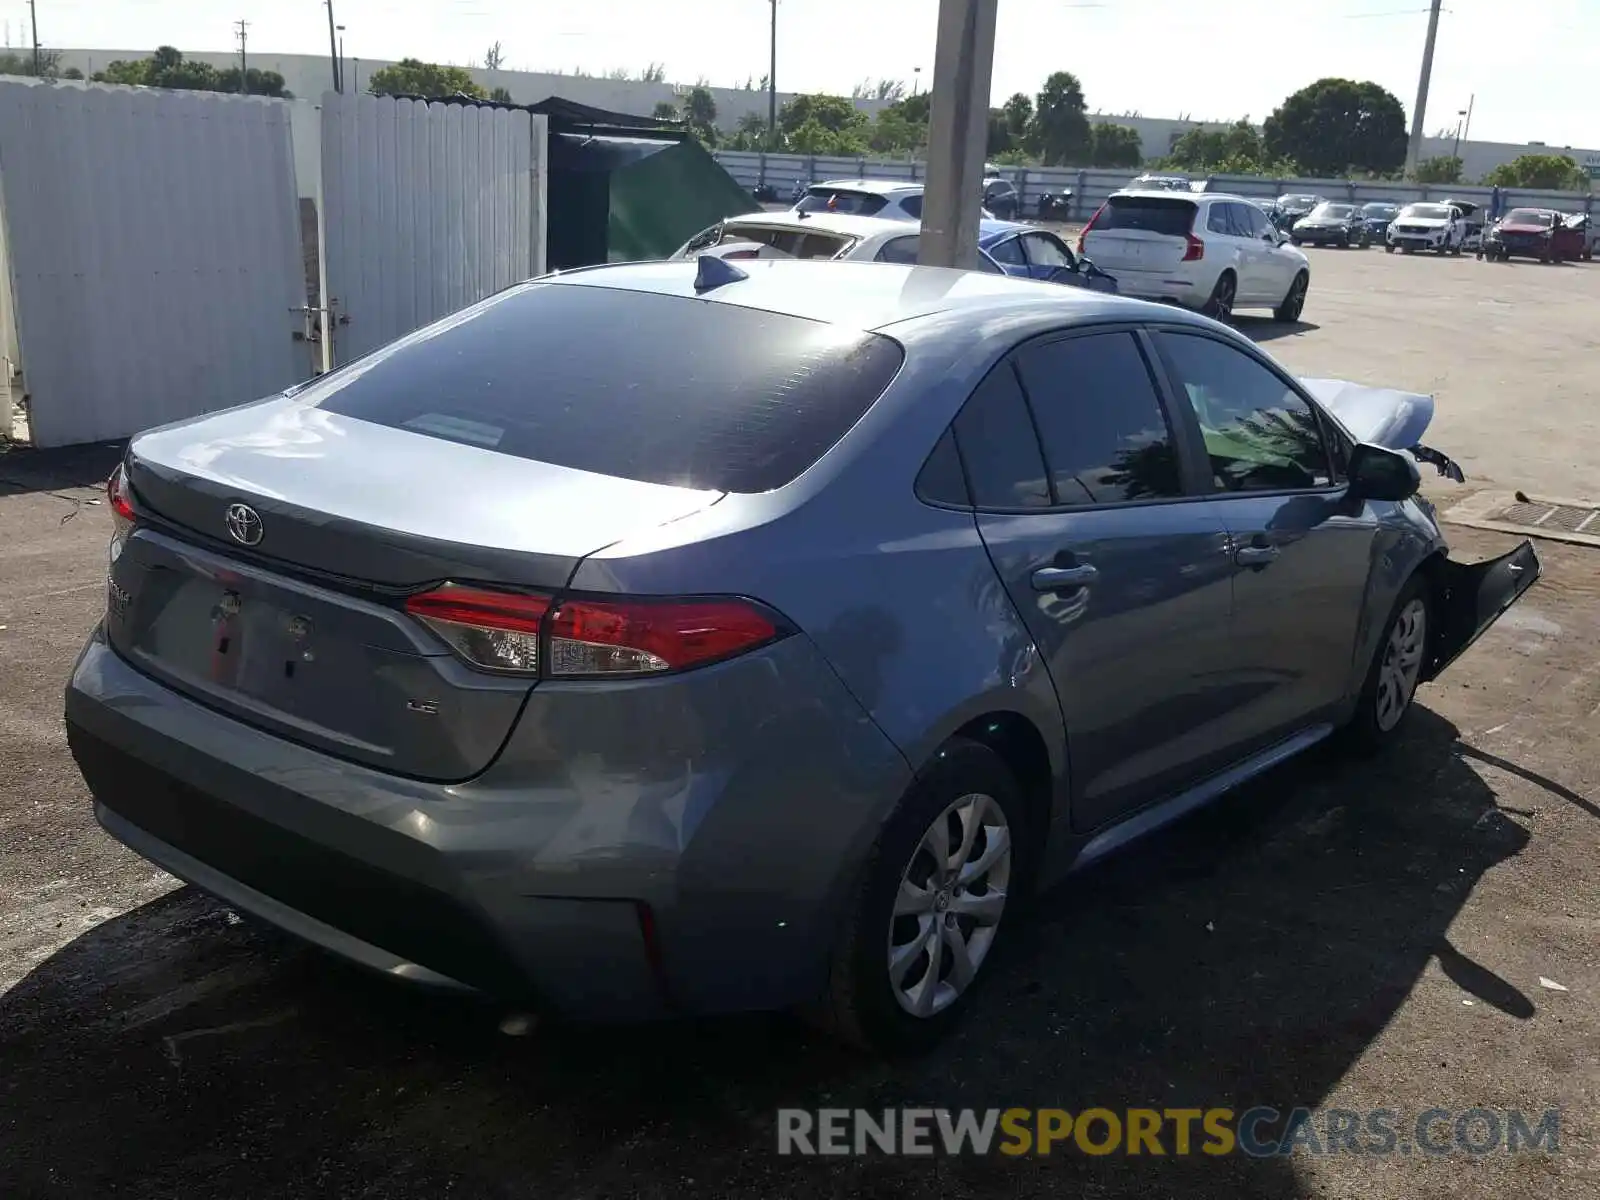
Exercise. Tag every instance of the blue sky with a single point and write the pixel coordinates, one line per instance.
(1527, 63)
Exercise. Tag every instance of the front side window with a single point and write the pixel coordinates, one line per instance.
(1260, 435)
(1044, 251)
(900, 250)
(1104, 434)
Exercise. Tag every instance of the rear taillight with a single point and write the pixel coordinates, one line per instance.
(530, 634)
(1089, 226)
(1196, 249)
(117, 495)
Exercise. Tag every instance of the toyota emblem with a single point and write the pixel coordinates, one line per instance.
(244, 525)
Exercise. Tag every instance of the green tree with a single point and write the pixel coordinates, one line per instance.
(49, 65)
(1237, 149)
(665, 110)
(1060, 131)
(700, 113)
(1446, 168)
(832, 114)
(167, 68)
(1334, 126)
(413, 77)
(1547, 172)
(500, 95)
(893, 133)
(1115, 146)
(1018, 111)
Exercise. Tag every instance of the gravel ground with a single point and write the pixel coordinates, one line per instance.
(1339, 934)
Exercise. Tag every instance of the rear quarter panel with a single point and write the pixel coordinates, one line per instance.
(900, 596)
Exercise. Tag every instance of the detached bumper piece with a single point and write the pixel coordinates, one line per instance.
(1473, 598)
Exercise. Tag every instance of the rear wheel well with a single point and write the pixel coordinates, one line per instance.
(1021, 746)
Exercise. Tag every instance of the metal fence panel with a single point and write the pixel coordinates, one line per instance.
(154, 250)
(427, 208)
(1090, 187)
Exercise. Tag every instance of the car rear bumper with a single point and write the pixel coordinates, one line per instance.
(1172, 287)
(701, 867)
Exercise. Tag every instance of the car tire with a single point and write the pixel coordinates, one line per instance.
(1390, 688)
(1294, 301)
(1388, 247)
(1220, 306)
(1294, 241)
(893, 956)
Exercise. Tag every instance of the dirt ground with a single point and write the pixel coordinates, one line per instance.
(1344, 934)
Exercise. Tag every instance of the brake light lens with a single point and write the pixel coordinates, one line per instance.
(1089, 226)
(528, 634)
(1195, 251)
(119, 497)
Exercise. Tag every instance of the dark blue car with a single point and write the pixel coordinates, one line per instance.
(1029, 252)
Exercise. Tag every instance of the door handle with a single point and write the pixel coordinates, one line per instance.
(1255, 555)
(1050, 579)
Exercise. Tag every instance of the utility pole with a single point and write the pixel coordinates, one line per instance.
(772, 79)
(333, 51)
(1414, 148)
(33, 13)
(958, 127)
(244, 63)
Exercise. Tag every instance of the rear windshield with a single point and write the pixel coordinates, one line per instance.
(861, 204)
(661, 389)
(1154, 214)
(796, 243)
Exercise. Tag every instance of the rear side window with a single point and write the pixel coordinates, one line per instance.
(1171, 215)
(637, 385)
(1100, 420)
(900, 250)
(912, 205)
(999, 447)
(862, 204)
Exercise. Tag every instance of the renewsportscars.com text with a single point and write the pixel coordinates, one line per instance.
(1258, 1132)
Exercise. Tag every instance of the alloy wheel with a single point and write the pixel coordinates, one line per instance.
(1402, 664)
(1222, 298)
(948, 909)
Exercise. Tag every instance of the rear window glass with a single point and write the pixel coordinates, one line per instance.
(796, 243)
(1154, 214)
(862, 204)
(661, 389)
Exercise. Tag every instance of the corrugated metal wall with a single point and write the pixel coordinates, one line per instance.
(427, 208)
(154, 251)
(1090, 188)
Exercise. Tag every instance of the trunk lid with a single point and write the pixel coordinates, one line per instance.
(1141, 232)
(302, 633)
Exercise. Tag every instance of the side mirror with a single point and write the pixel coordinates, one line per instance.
(1379, 473)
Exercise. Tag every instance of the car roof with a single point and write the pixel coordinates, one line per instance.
(871, 296)
(876, 187)
(849, 224)
(990, 228)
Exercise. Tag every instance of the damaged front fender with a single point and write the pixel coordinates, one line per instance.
(1472, 596)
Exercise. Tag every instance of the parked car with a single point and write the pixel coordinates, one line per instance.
(1588, 231)
(1161, 183)
(1427, 226)
(708, 637)
(889, 198)
(1331, 224)
(1377, 216)
(1288, 209)
(1004, 247)
(1203, 250)
(1539, 233)
(1472, 218)
(1001, 198)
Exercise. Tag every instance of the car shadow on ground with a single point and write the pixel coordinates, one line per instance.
(24, 469)
(1266, 329)
(1246, 957)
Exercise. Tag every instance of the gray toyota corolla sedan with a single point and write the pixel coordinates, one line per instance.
(691, 637)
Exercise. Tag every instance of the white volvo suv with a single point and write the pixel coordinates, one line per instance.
(1202, 250)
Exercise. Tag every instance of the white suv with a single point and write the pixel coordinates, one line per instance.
(1202, 250)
